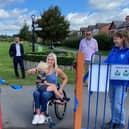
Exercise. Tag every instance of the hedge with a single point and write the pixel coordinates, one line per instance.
(105, 42)
(63, 58)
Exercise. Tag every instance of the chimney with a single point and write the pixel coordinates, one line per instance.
(127, 19)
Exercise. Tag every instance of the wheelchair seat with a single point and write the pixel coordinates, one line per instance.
(59, 106)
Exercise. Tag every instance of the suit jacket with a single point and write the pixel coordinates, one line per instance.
(12, 50)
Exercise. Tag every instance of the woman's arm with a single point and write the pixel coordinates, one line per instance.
(64, 78)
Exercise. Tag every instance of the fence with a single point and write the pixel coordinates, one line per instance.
(98, 82)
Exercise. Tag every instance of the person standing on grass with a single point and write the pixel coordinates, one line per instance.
(16, 52)
(88, 46)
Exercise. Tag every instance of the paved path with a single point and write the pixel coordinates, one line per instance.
(17, 109)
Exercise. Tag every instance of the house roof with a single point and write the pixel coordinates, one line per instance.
(123, 25)
(116, 24)
(91, 27)
(83, 29)
(99, 25)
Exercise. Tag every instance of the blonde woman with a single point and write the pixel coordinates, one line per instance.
(53, 73)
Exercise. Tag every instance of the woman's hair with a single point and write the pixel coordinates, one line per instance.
(55, 58)
(126, 37)
(123, 35)
(42, 65)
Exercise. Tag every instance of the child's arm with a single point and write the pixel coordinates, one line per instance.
(32, 71)
(38, 80)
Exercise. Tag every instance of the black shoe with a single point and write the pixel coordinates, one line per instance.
(119, 126)
(109, 125)
(17, 76)
(23, 77)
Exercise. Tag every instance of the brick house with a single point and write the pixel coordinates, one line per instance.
(119, 25)
(95, 29)
(105, 28)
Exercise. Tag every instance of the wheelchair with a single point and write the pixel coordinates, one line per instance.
(59, 109)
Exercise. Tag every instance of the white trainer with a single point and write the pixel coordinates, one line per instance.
(42, 119)
(36, 119)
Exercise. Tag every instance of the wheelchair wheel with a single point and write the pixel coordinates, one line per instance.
(60, 109)
(33, 107)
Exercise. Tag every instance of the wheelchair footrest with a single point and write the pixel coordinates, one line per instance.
(61, 101)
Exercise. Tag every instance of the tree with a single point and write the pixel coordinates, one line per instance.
(24, 33)
(54, 26)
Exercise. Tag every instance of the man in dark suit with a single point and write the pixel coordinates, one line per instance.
(16, 51)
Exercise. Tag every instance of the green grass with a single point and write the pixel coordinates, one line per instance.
(104, 53)
(7, 71)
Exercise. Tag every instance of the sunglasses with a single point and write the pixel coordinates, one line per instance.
(88, 34)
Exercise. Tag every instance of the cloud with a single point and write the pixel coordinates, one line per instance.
(102, 11)
(78, 20)
(11, 21)
(4, 3)
(4, 14)
(107, 4)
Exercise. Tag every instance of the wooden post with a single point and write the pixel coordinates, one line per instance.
(79, 89)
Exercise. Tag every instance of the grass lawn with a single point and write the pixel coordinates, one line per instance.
(7, 71)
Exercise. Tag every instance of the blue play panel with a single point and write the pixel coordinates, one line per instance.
(17, 87)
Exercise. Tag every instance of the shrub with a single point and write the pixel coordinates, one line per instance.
(63, 58)
(72, 43)
(105, 42)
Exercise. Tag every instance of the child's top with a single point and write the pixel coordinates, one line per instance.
(38, 78)
(118, 56)
(50, 78)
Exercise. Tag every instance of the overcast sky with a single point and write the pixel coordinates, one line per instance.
(80, 13)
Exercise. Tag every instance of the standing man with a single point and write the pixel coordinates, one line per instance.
(88, 46)
(16, 51)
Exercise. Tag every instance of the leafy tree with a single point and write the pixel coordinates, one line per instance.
(24, 33)
(54, 25)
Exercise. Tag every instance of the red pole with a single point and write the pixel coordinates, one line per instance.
(79, 89)
(0, 111)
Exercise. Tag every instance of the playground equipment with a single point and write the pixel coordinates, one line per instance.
(98, 73)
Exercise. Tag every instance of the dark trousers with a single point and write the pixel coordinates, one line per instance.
(19, 60)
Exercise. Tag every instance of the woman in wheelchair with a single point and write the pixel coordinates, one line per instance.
(42, 98)
(42, 82)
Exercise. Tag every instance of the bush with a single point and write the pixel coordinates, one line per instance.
(63, 58)
(105, 42)
(72, 43)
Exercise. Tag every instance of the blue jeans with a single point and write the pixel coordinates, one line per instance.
(41, 99)
(117, 95)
